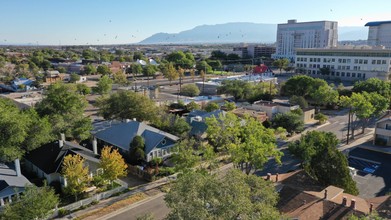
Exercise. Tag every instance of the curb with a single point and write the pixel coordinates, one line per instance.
(124, 209)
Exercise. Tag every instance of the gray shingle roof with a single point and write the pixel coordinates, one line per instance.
(122, 134)
(9, 181)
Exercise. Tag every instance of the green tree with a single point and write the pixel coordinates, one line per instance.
(325, 95)
(364, 106)
(190, 90)
(212, 106)
(104, 85)
(136, 68)
(290, 121)
(76, 174)
(229, 106)
(112, 163)
(170, 72)
(323, 161)
(235, 196)
(103, 70)
(89, 69)
(21, 131)
(257, 145)
(120, 78)
(83, 89)
(179, 58)
(298, 100)
(34, 203)
(127, 105)
(237, 88)
(302, 85)
(64, 107)
(223, 132)
(281, 63)
(193, 106)
(373, 85)
(204, 66)
(174, 124)
(137, 153)
(321, 118)
(74, 78)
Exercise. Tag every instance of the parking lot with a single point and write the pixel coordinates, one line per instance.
(373, 172)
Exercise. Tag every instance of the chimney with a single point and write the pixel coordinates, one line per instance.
(17, 167)
(62, 136)
(269, 176)
(95, 146)
(344, 201)
(370, 207)
(61, 143)
(353, 204)
(276, 177)
(134, 119)
(325, 194)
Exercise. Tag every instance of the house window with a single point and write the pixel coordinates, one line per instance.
(388, 127)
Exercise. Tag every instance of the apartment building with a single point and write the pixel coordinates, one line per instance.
(350, 63)
(315, 34)
(379, 33)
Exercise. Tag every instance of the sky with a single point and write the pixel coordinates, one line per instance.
(82, 22)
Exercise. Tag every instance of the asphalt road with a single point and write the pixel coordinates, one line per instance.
(155, 206)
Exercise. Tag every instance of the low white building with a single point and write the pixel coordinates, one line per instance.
(349, 63)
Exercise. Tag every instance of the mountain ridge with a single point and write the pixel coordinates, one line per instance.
(239, 32)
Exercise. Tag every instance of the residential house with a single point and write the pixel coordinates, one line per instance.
(53, 76)
(120, 135)
(257, 115)
(197, 121)
(382, 135)
(46, 161)
(271, 108)
(18, 85)
(300, 197)
(12, 182)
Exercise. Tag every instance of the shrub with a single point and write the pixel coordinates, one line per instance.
(321, 118)
(63, 212)
(190, 90)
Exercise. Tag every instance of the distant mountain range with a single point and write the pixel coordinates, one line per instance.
(239, 32)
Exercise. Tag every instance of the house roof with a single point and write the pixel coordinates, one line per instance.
(122, 134)
(376, 23)
(385, 117)
(49, 157)
(301, 198)
(9, 181)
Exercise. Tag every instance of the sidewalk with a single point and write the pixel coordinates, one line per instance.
(112, 200)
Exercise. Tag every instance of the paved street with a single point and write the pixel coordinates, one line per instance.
(155, 206)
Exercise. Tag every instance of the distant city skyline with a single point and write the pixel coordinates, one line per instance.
(72, 22)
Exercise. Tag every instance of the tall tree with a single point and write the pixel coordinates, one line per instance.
(89, 69)
(235, 196)
(323, 161)
(76, 174)
(257, 145)
(302, 85)
(290, 121)
(137, 153)
(120, 78)
(373, 85)
(223, 131)
(65, 108)
(21, 131)
(281, 63)
(325, 95)
(34, 203)
(103, 70)
(237, 88)
(104, 85)
(127, 105)
(170, 72)
(112, 163)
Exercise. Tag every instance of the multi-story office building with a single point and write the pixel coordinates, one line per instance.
(254, 51)
(352, 64)
(293, 35)
(379, 33)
